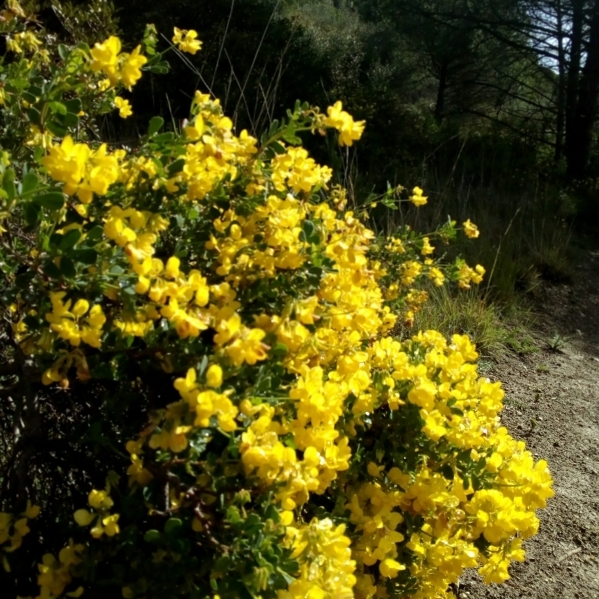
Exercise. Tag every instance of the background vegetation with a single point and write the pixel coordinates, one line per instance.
(490, 106)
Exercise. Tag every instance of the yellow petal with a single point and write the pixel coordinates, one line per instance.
(83, 517)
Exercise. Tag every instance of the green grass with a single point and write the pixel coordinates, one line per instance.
(494, 329)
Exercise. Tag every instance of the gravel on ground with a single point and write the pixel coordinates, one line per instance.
(552, 403)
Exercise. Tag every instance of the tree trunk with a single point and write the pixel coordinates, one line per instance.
(572, 87)
(561, 90)
(588, 100)
(440, 105)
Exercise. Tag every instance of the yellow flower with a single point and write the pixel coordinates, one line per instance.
(123, 106)
(477, 278)
(471, 229)
(390, 568)
(186, 40)
(427, 248)
(105, 58)
(349, 130)
(437, 277)
(417, 198)
(32, 511)
(100, 500)
(214, 376)
(131, 67)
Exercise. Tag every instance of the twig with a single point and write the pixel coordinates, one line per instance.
(222, 44)
(569, 554)
(499, 249)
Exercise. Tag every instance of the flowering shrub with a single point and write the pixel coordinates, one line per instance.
(202, 390)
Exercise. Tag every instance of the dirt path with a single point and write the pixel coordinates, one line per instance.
(552, 402)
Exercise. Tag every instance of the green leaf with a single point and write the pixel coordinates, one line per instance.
(152, 536)
(155, 125)
(28, 97)
(277, 147)
(94, 235)
(56, 128)
(30, 183)
(33, 114)
(31, 213)
(58, 107)
(164, 137)
(54, 241)
(8, 184)
(290, 137)
(63, 51)
(181, 546)
(233, 514)
(172, 526)
(70, 239)
(53, 200)
(160, 69)
(279, 351)
(309, 232)
(84, 256)
(73, 106)
(202, 365)
(51, 270)
(274, 127)
(269, 153)
(67, 268)
(70, 120)
(176, 166)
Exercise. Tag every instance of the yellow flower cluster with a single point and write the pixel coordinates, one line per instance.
(77, 323)
(277, 222)
(84, 171)
(25, 41)
(471, 229)
(55, 575)
(468, 275)
(271, 309)
(298, 171)
(123, 106)
(349, 130)
(57, 373)
(12, 530)
(417, 198)
(105, 522)
(136, 232)
(118, 67)
(455, 404)
(186, 40)
(326, 567)
(212, 153)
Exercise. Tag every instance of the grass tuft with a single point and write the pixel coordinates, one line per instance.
(494, 329)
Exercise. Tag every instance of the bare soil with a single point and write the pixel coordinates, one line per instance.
(552, 402)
